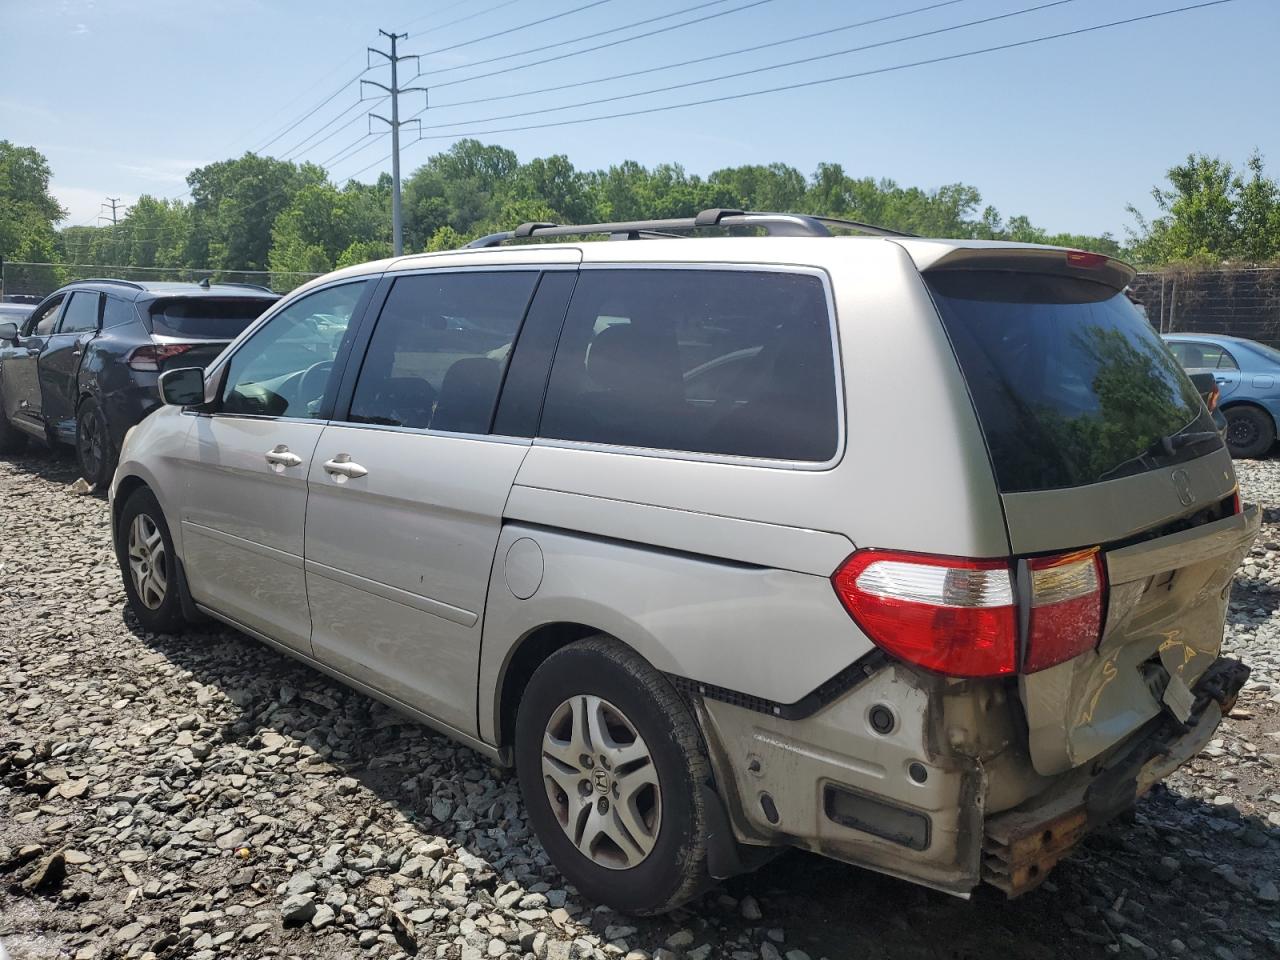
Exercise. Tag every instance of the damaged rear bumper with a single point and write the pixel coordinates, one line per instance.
(1021, 846)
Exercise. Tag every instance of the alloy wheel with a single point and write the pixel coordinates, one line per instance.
(91, 443)
(601, 781)
(148, 562)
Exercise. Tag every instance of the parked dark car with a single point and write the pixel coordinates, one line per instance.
(82, 368)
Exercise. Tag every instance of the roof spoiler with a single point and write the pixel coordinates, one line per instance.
(1060, 261)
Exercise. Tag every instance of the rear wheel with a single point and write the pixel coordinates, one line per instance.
(148, 564)
(610, 764)
(12, 440)
(94, 449)
(1250, 432)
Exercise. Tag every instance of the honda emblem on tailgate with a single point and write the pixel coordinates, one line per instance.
(1182, 483)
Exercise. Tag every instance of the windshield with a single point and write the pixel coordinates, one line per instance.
(207, 318)
(1071, 385)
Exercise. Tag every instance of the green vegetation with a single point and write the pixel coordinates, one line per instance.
(259, 213)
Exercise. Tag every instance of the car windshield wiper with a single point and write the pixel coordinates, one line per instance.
(1176, 441)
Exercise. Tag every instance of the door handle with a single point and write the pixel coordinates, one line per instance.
(279, 457)
(342, 468)
(1221, 380)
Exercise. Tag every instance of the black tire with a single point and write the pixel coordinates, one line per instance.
(12, 440)
(1251, 433)
(94, 449)
(164, 616)
(674, 870)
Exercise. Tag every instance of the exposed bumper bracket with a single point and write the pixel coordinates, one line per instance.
(1022, 845)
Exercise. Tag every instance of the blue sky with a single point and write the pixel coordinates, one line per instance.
(126, 96)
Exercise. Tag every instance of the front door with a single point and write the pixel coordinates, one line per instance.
(407, 491)
(60, 362)
(20, 367)
(247, 462)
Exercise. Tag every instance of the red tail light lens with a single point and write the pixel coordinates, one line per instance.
(959, 617)
(948, 614)
(1066, 608)
(1082, 258)
(150, 356)
(1237, 506)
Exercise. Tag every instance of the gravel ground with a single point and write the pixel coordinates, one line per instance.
(207, 797)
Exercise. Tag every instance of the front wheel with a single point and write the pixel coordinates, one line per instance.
(1250, 432)
(610, 763)
(148, 564)
(94, 449)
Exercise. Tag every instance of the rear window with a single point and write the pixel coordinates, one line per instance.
(206, 318)
(727, 362)
(1071, 385)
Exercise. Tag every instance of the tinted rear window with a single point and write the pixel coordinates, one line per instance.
(710, 361)
(206, 318)
(1072, 386)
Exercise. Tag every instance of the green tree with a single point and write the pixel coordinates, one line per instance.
(28, 210)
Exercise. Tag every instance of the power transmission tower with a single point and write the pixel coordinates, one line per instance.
(394, 91)
(112, 201)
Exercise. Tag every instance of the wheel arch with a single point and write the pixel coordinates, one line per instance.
(525, 656)
(1246, 402)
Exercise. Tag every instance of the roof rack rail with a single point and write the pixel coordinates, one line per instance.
(236, 283)
(126, 283)
(774, 224)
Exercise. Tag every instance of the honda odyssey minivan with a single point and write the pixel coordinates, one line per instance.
(633, 516)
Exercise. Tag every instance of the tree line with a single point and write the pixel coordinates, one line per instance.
(260, 213)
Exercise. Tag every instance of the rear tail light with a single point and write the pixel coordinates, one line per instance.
(1236, 505)
(152, 355)
(947, 614)
(1066, 608)
(959, 617)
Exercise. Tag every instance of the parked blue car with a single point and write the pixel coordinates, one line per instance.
(1248, 377)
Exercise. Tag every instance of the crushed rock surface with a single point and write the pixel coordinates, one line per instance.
(207, 797)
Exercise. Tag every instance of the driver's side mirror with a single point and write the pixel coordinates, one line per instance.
(183, 387)
(9, 332)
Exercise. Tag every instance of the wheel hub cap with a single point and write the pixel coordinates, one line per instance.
(148, 562)
(601, 782)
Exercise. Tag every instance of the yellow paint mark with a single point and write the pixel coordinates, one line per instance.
(1109, 673)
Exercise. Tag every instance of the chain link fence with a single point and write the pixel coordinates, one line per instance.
(23, 281)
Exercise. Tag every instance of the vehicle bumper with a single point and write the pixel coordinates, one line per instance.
(130, 405)
(832, 784)
(1022, 845)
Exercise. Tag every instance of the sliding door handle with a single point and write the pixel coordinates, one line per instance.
(279, 456)
(342, 467)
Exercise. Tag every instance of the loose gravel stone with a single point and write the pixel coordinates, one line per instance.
(206, 797)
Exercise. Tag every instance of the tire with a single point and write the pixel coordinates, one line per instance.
(94, 450)
(12, 440)
(151, 578)
(647, 735)
(1251, 433)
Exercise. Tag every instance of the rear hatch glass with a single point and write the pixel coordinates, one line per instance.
(1071, 385)
(206, 318)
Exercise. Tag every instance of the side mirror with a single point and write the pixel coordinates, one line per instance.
(9, 331)
(183, 387)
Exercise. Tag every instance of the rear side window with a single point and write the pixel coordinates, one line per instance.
(728, 362)
(439, 350)
(207, 318)
(1072, 386)
(117, 312)
(1202, 356)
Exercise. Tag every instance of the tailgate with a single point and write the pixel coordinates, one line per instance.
(1166, 607)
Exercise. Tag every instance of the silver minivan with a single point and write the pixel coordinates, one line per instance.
(914, 553)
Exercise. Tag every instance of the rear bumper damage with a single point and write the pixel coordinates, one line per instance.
(1021, 846)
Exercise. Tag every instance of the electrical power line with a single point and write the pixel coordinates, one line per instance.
(599, 46)
(704, 59)
(313, 111)
(805, 84)
(517, 27)
(585, 36)
(470, 16)
(802, 61)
